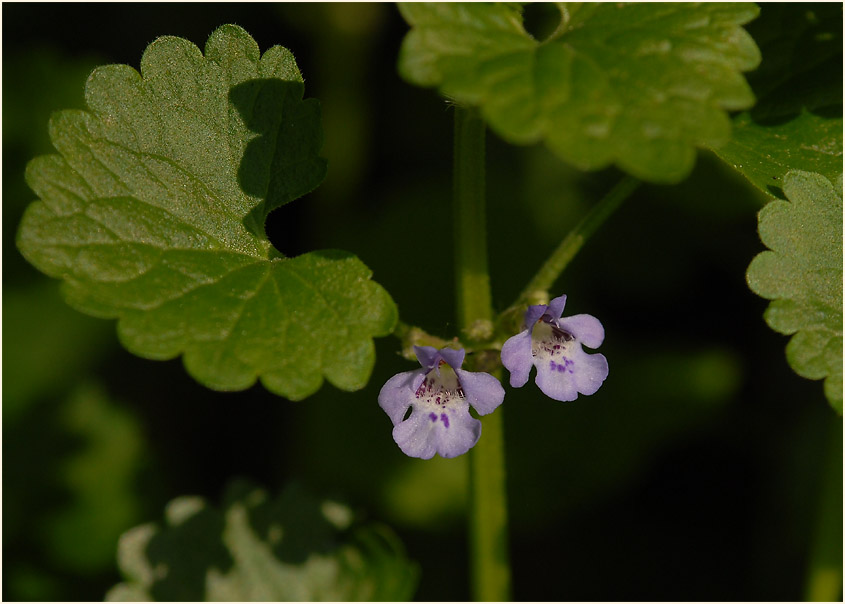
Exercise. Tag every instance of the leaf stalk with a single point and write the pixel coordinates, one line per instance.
(537, 290)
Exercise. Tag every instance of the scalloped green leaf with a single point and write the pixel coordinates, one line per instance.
(640, 85)
(293, 548)
(797, 122)
(802, 274)
(153, 213)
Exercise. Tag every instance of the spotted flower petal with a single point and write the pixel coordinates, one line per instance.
(449, 433)
(439, 396)
(552, 344)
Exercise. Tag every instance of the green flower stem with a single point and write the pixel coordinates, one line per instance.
(488, 504)
(537, 289)
(824, 577)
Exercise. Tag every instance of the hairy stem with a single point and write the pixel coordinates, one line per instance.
(472, 278)
(488, 504)
(410, 336)
(537, 289)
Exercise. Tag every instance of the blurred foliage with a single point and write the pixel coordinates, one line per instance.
(52, 343)
(292, 548)
(76, 461)
(100, 478)
(638, 85)
(692, 474)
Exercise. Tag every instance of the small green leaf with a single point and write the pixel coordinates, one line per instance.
(293, 548)
(153, 213)
(802, 274)
(797, 122)
(640, 85)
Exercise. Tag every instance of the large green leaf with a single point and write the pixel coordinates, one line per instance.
(154, 210)
(797, 122)
(802, 274)
(640, 85)
(293, 548)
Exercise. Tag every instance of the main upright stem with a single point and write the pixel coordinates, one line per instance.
(488, 522)
(470, 217)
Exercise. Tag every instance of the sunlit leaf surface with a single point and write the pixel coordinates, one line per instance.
(153, 213)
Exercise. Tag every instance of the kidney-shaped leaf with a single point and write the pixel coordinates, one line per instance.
(802, 274)
(640, 85)
(153, 212)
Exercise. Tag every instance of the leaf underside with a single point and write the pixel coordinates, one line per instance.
(292, 548)
(802, 274)
(153, 213)
(640, 85)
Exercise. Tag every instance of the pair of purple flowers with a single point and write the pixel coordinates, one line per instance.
(440, 394)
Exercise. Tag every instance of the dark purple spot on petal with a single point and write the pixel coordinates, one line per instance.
(445, 419)
(433, 416)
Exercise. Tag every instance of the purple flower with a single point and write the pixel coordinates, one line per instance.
(439, 396)
(552, 344)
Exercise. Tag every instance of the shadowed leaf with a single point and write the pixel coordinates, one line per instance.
(797, 122)
(640, 85)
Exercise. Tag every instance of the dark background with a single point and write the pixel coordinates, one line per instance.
(693, 474)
